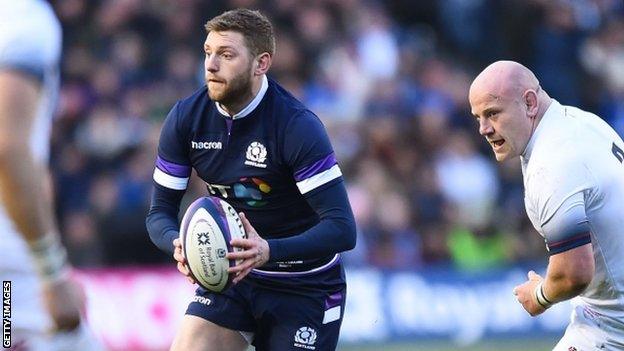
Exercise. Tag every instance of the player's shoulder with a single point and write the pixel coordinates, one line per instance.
(557, 162)
(38, 12)
(199, 98)
(554, 176)
(586, 139)
(563, 159)
(564, 138)
(292, 115)
(286, 104)
(589, 127)
(30, 35)
(193, 106)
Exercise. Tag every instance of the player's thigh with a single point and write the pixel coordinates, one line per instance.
(198, 334)
(576, 339)
(583, 333)
(299, 323)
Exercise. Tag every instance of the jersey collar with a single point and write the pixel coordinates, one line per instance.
(252, 105)
(550, 114)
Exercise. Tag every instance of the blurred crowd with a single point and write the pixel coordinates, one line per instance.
(388, 78)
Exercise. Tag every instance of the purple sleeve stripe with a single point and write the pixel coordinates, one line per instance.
(317, 167)
(572, 238)
(173, 169)
(570, 243)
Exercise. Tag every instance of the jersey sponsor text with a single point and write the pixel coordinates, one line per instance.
(206, 145)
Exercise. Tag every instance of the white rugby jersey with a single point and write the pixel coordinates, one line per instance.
(30, 41)
(574, 184)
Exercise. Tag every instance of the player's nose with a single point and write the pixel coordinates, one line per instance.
(211, 63)
(485, 127)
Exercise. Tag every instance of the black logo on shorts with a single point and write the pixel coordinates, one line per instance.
(305, 337)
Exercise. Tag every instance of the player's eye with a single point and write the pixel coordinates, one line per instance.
(227, 55)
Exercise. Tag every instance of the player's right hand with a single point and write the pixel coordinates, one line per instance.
(65, 301)
(525, 294)
(178, 255)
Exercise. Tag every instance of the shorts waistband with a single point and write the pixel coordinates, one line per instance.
(298, 268)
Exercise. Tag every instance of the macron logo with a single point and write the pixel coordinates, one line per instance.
(206, 145)
(204, 300)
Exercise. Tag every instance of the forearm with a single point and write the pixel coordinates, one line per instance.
(326, 238)
(27, 200)
(23, 194)
(334, 233)
(162, 219)
(162, 231)
(558, 287)
(569, 273)
(22, 178)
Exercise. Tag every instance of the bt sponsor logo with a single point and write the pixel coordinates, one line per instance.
(249, 189)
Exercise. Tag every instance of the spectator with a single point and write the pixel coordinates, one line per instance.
(387, 78)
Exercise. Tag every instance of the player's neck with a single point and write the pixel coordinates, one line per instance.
(544, 106)
(545, 103)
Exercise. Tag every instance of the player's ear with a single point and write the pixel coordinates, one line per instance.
(530, 101)
(263, 63)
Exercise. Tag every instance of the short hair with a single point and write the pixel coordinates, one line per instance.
(254, 26)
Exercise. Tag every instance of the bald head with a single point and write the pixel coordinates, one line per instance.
(504, 79)
(508, 103)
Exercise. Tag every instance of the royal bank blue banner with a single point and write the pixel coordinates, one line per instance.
(442, 303)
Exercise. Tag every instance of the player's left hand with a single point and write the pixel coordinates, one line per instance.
(525, 293)
(255, 251)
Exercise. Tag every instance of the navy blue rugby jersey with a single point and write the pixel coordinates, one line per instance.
(264, 161)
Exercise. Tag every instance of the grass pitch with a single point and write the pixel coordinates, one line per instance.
(487, 345)
(512, 344)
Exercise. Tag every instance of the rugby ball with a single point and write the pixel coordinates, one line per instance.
(207, 227)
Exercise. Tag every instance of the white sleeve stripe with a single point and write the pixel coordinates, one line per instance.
(169, 181)
(317, 180)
